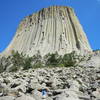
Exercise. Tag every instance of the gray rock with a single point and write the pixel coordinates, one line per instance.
(85, 97)
(21, 88)
(24, 97)
(49, 40)
(65, 97)
(97, 93)
(73, 83)
(37, 94)
(7, 98)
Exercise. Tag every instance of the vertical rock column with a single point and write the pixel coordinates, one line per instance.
(51, 29)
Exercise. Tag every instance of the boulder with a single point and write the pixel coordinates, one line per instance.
(7, 98)
(24, 97)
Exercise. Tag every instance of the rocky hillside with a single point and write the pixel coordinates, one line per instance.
(74, 83)
(81, 82)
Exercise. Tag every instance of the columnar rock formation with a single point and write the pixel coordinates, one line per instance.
(51, 29)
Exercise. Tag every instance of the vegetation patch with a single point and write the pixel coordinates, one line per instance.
(19, 61)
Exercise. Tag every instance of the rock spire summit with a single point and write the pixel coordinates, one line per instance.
(53, 29)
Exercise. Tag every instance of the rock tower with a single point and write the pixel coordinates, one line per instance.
(51, 29)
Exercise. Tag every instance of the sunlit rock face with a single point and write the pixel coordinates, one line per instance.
(51, 29)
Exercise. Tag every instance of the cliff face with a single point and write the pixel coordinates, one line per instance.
(52, 29)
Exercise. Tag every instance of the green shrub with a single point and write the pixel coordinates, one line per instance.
(53, 59)
(20, 61)
(13, 69)
(37, 58)
(1, 68)
(38, 65)
(27, 63)
(17, 58)
(3, 64)
(69, 59)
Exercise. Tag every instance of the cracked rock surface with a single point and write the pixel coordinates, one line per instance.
(52, 29)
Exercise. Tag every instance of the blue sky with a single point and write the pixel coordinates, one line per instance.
(13, 11)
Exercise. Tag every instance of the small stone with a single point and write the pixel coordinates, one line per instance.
(84, 97)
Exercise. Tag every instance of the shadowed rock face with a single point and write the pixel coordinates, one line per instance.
(51, 29)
